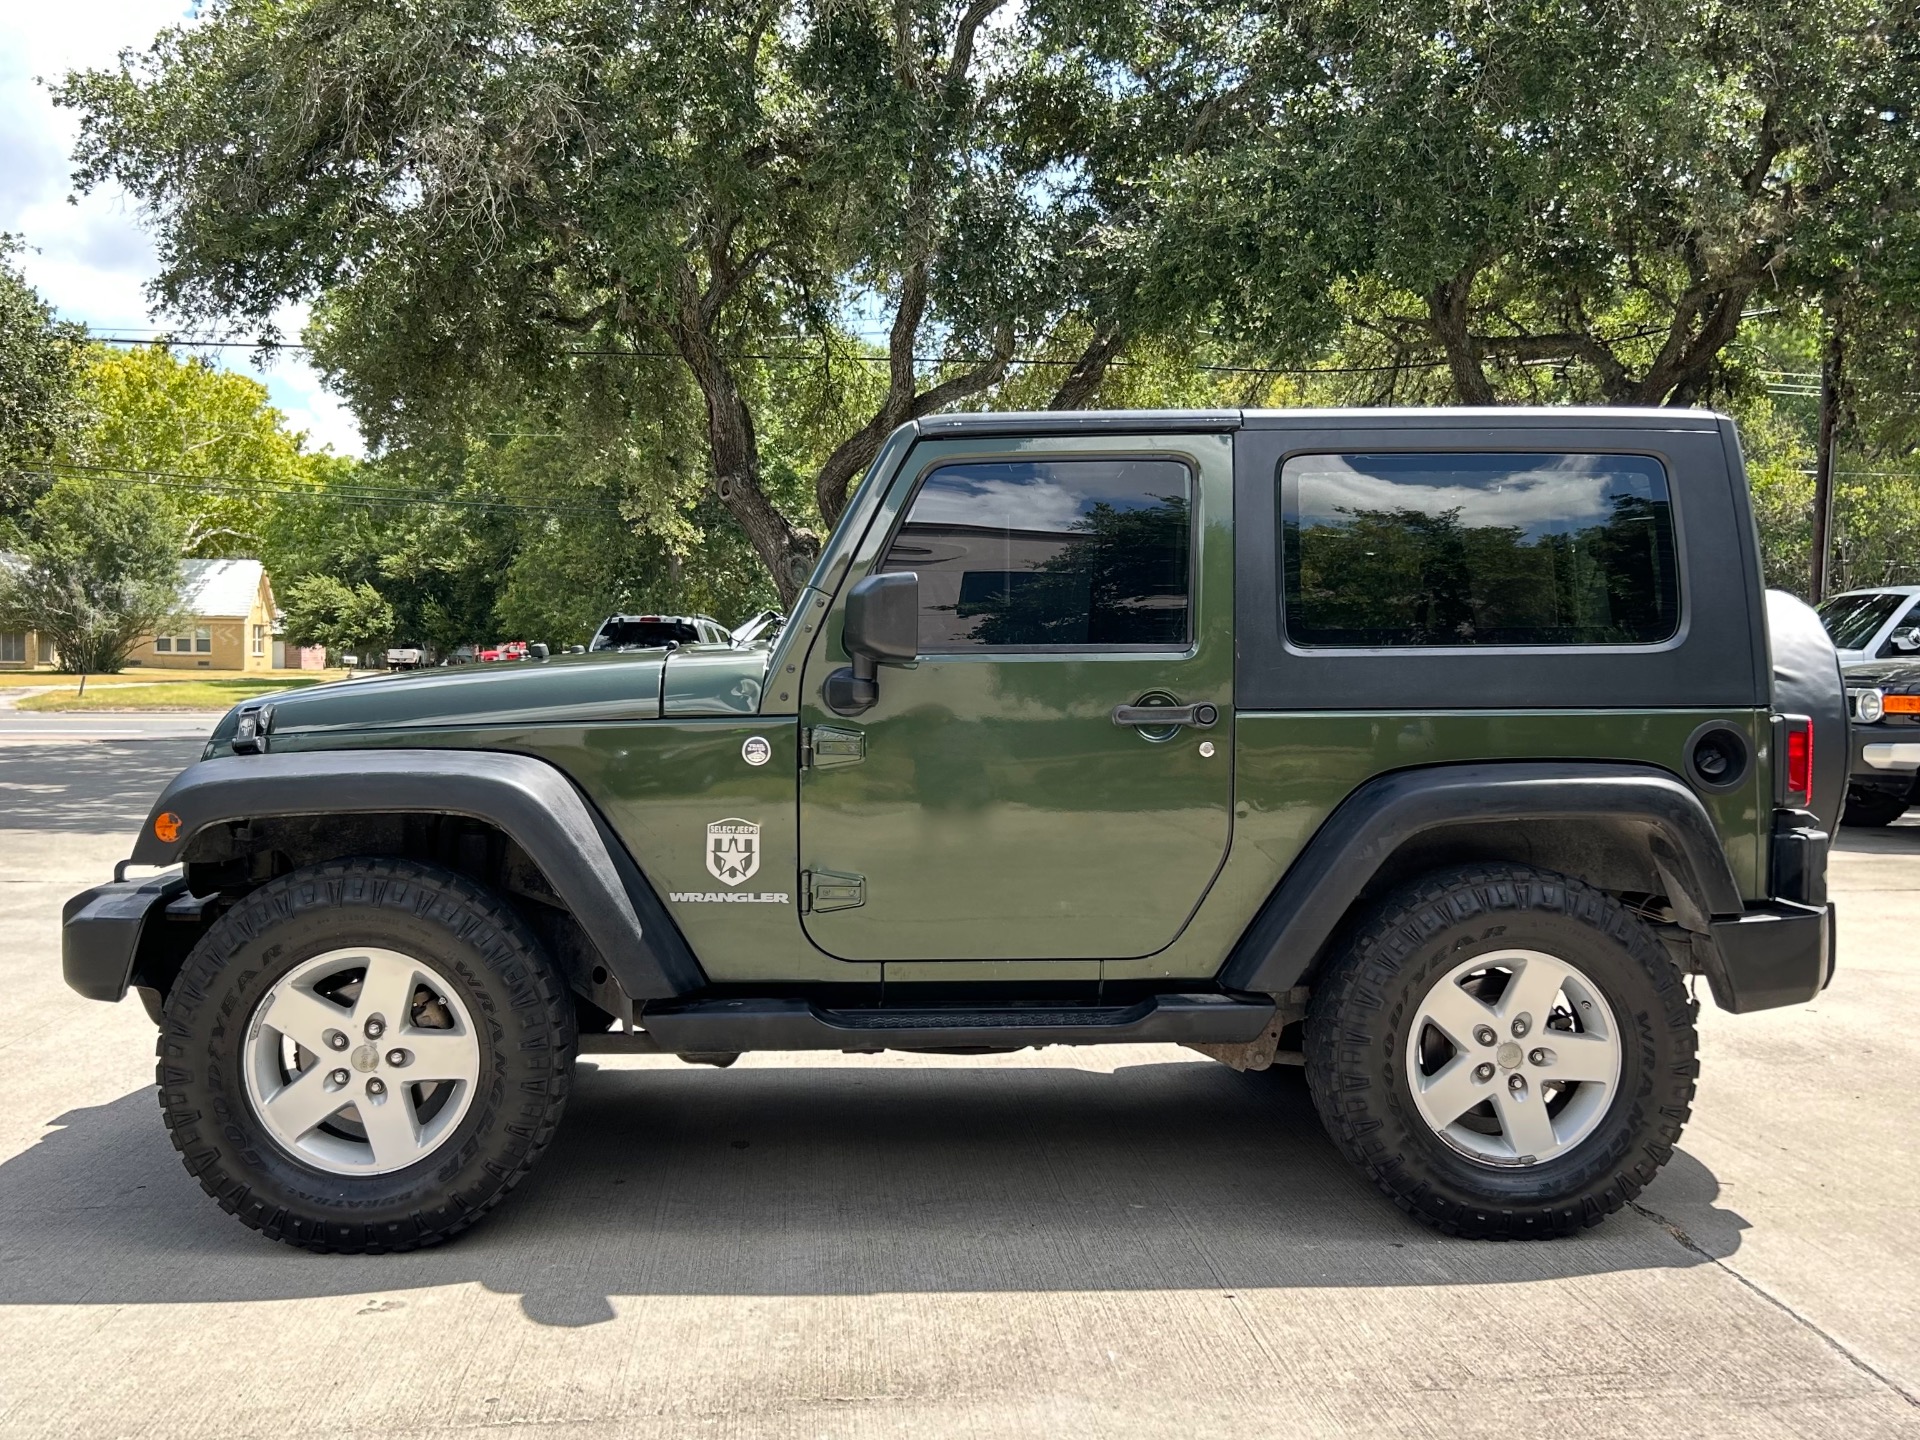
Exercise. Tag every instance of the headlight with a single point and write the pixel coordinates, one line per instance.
(1869, 707)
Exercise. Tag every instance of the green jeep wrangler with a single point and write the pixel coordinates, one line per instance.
(1435, 751)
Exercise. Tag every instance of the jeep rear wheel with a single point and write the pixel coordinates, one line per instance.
(365, 1055)
(1508, 1053)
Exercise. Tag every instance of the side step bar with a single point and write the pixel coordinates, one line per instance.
(720, 1026)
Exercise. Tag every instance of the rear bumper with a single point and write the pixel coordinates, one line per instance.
(100, 931)
(1773, 955)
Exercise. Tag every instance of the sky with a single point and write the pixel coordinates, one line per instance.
(90, 259)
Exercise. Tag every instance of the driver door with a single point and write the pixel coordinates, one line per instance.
(988, 806)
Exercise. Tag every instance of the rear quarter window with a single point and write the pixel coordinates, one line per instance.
(1444, 550)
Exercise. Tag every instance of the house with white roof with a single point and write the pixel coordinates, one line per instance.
(229, 625)
(230, 610)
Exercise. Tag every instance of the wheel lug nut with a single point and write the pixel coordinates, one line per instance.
(1483, 1073)
(399, 1057)
(376, 1027)
(1521, 1024)
(338, 1077)
(376, 1086)
(335, 1040)
(1538, 1057)
(1484, 1034)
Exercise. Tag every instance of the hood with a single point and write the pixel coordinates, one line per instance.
(714, 680)
(571, 689)
(606, 687)
(1900, 676)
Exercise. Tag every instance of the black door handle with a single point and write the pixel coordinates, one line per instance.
(1159, 717)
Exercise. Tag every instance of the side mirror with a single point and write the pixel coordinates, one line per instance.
(1906, 641)
(882, 628)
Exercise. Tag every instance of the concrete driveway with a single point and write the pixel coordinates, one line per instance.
(1118, 1242)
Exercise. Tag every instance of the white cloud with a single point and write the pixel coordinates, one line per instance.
(1020, 497)
(1573, 492)
(88, 255)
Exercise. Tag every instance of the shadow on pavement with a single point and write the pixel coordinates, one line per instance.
(96, 788)
(839, 1181)
(1900, 838)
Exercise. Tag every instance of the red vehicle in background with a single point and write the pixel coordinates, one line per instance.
(505, 650)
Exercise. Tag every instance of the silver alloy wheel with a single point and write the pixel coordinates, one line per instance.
(1513, 1057)
(361, 1061)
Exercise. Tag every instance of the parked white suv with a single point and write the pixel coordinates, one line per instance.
(1863, 623)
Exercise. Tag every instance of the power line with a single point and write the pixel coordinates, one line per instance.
(361, 493)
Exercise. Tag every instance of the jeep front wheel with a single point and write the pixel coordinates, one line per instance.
(365, 1055)
(1508, 1053)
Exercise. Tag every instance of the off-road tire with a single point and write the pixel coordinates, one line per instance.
(1356, 1038)
(522, 1011)
(1871, 809)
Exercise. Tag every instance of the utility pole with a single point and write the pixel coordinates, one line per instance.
(1831, 358)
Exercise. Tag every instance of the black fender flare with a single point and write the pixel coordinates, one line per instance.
(529, 800)
(1306, 907)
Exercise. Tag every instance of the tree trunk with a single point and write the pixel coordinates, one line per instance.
(785, 549)
(1450, 313)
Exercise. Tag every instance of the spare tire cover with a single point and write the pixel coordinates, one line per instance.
(1806, 681)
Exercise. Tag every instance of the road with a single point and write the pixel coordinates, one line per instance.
(27, 727)
(1122, 1242)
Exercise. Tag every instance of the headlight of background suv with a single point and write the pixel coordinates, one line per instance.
(1869, 707)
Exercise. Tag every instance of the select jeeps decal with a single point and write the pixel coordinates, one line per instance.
(733, 858)
(733, 850)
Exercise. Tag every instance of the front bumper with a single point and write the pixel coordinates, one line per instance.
(101, 929)
(1883, 758)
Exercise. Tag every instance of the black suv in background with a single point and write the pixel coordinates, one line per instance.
(1883, 702)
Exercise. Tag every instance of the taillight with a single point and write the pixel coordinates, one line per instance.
(1798, 747)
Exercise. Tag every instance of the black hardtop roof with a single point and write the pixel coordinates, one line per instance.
(1504, 417)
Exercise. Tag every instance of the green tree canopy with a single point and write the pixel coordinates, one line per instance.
(707, 197)
(1546, 201)
(202, 445)
(98, 570)
(319, 610)
(39, 370)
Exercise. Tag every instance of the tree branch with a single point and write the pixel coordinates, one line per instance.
(971, 20)
(1083, 380)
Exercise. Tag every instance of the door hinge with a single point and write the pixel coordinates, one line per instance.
(831, 890)
(823, 746)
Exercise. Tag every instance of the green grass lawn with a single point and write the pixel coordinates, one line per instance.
(139, 675)
(195, 694)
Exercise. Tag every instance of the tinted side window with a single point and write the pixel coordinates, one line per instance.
(1421, 550)
(1080, 553)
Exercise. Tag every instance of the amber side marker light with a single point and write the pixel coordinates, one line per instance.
(166, 827)
(1900, 705)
